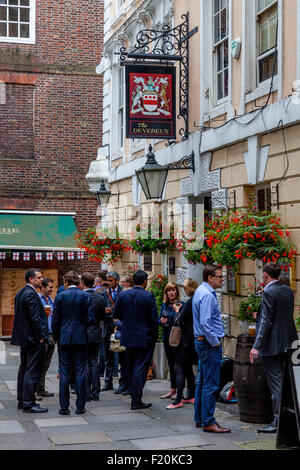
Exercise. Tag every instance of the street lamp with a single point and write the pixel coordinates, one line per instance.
(103, 195)
(153, 176)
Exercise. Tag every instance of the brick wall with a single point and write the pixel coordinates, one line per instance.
(51, 123)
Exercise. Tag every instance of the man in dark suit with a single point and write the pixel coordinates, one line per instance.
(275, 332)
(72, 313)
(30, 331)
(94, 333)
(110, 297)
(136, 308)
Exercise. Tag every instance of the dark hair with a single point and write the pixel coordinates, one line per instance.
(46, 281)
(210, 271)
(72, 278)
(139, 277)
(273, 269)
(31, 273)
(102, 274)
(113, 274)
(88, 279)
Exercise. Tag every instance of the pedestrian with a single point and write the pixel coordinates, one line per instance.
(46, 290)
(110, 297)
(30, 332)
(136, 308)
(72, 313)
(94, 333)
(275, 332)
(126, 282)
(208, 332)
(167, 318)
(101, 284)
(185, 353)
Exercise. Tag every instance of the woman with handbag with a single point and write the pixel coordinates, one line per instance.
(185, 353)
(167, 318)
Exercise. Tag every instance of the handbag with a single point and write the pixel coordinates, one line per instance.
(114, 344)
(175, 334)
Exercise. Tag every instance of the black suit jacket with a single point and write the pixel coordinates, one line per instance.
(276, 328)
(136, 308)
(30, 322)
(94, 331)
(72, 313)
(108, 325)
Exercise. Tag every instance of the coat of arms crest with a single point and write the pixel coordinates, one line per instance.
(150, 96)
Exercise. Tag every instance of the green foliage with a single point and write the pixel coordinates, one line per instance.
(250, 304)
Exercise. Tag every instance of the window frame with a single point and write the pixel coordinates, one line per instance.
(215, 47)
(269, 53)
(32, 27)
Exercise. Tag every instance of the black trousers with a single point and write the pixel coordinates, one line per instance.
(273, 367)
(124, 364)
(171, 356)
(139, 363)
(92, 375)
(109, 361)
(49, 350)
(29, 374)
(72, 357)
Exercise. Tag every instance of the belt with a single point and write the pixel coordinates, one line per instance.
(200, 338)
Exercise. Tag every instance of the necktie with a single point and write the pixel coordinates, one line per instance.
(114, 295)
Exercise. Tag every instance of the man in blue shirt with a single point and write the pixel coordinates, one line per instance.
(46, 289)
(208, 332)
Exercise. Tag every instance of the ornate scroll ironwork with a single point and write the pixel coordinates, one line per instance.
(186, 163)
(166, 45)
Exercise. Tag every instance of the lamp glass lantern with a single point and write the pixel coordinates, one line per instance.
(103, 195)
(152, 177)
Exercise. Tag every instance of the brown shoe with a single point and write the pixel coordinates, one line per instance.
(215, 428)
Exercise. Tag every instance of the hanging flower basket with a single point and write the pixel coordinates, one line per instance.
(103, 246)
(153, 239)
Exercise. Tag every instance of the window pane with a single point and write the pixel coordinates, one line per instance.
(13, 2)
(220, 58)
(225, 54)
(223, 23)
(24, 14)
(24, 30)
(266, 67)
(226, 83)
(264, 42)
(273, 32)
(3, 2)
(217, 5)
(13, 14)
(24, 3)
(3, 11)
(3, 29)
(217, 28)
(13, 30)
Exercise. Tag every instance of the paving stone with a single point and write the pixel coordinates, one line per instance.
(2, 407)
(63, 421)
(109, 410)
(170, 442)
(119, 445)
(3, 388)
(119, 418)
(78, 438)
(130, 434)
(11, 427)
(267, 444)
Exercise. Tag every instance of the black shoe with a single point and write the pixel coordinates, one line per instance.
(126, 392)
(142, 406)
(106, 387)
(64, 412)
(94, 398)
(198, 425)
(45, 393)
(20, 405)
(119, 391)
(35, 409)
(270, 429)
(80, 412)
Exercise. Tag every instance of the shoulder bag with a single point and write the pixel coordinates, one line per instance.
(175, 334)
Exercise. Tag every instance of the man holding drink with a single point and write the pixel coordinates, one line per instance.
(46, 290)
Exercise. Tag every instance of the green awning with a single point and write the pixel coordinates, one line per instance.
(37, 232)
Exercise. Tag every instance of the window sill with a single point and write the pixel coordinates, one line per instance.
(219, 110)
(18, 40)
(263, 89)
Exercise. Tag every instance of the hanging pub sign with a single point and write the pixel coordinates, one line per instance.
(150, 102)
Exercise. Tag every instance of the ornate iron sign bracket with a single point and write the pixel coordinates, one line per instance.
(186, 163)
(167, 45)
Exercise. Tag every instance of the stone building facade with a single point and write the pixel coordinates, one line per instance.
(244, 118)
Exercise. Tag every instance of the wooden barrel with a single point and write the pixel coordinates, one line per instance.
(251, 389)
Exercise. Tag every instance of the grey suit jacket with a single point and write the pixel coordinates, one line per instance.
(276, 328)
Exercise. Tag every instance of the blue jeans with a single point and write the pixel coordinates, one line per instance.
(208, 382)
